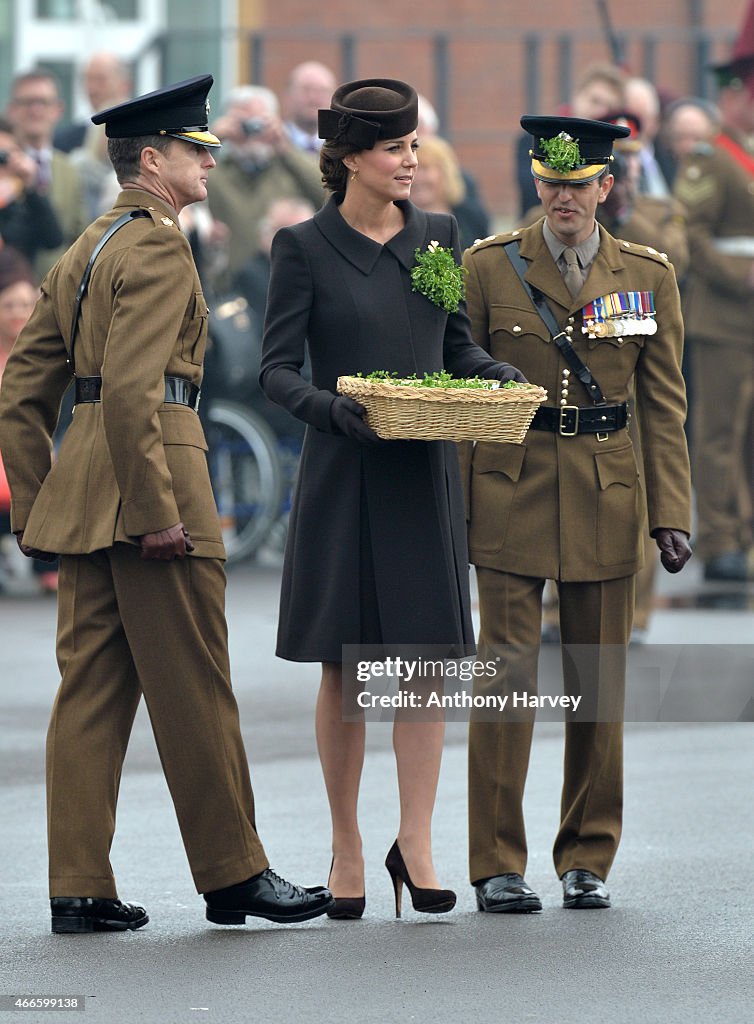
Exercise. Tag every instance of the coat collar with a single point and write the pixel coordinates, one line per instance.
(140, 197)
(544, 274)
(364, 252)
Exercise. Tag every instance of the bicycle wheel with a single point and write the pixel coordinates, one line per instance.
(247, 477)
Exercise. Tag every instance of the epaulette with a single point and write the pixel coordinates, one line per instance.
(643, 250)
(159, 218)
(501, 239)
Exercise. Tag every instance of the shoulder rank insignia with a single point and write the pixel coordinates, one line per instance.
(694, 187)
(167, 222)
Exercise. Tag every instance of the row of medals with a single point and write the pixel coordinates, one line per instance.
(619, 327)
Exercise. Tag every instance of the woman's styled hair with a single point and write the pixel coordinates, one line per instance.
(334, 171)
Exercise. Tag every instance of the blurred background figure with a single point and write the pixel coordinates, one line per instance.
(643, 101)
(18, 295)
(439, 186)
(107, 81)
(28, 223)
(716, 184)
(310, 86)
(687, 123)
(470, 209)
(254, 277)
(636, 216)
(599, 91)
(258, 163)
(34, 110)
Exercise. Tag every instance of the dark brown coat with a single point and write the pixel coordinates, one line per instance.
(393, 510)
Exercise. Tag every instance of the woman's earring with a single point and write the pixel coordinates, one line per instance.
(354, 173)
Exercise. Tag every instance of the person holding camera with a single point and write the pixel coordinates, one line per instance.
(259, 164)
(28, 222)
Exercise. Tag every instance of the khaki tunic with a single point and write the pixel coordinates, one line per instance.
(129, 464)
(718, 193)
(573, 508)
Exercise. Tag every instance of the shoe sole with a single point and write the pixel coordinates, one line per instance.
(526, 905)
(239, 917)
(82, 925)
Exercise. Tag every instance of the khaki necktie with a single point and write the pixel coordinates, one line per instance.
(573, 276)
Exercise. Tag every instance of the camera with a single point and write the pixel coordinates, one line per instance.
(4, 156)
(253, 126)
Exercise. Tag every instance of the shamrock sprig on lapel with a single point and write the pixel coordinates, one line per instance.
(438, 277)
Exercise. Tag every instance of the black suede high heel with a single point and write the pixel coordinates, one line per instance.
(346, 908)
(427, 901)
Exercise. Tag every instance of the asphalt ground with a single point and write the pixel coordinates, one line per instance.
(677, 946)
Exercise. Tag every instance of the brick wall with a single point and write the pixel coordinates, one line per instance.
(491, 67)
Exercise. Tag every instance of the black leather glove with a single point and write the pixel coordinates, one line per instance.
(674, 546)
(507, 372)
(347, 417)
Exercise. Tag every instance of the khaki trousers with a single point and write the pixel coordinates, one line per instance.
(723, 406)
(596, 617)
(128, 627)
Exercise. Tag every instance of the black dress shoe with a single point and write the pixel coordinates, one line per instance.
(583, 890)
(87, 914)
(506, 894)
(269, 896)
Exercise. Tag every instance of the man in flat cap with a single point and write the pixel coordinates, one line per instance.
(593, 320)
(716, 185)
(128, 507)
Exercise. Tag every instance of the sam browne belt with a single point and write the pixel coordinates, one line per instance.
(177, 391)
(570, 420)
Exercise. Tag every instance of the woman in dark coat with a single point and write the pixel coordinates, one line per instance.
(376, 552)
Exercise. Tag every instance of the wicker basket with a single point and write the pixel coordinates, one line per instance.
(449, 414)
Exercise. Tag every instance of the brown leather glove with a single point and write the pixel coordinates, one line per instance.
(41, 556)
(347, 417)
(674, 546)
(165, 545)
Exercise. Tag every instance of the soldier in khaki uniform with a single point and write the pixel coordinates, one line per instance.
(567, 504)
(129, 508)
(716, 184)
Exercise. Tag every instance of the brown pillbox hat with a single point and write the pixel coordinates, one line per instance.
(370, 109)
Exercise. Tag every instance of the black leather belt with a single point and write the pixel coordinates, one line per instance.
(177, 391)
(570, 420)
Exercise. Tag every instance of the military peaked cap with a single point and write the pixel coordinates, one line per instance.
(179, 110)
(571, 148)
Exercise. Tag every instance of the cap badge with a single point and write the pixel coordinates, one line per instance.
(562, 152)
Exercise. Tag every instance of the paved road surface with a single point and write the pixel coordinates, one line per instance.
(677, 947)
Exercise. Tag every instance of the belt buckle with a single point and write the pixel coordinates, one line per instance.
(561, 427)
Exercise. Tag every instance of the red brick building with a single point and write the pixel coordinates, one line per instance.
(485, 62)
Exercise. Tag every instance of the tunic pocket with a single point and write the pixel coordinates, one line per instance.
(510, 323)
(495, 472)
(619, 516)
